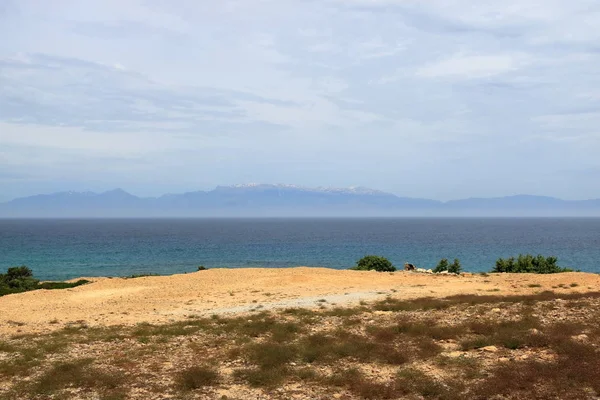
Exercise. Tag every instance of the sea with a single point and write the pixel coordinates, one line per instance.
(58, 249)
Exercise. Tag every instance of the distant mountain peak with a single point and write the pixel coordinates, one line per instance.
(74, 193)
(322, 189)
(117, 191)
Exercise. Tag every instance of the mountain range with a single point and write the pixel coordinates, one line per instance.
(265, 200)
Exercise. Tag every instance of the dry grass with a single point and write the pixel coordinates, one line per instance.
(197, 377)
(546, 346)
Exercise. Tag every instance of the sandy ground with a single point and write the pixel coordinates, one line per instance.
(116, 301)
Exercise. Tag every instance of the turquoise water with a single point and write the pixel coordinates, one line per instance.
(63, 249)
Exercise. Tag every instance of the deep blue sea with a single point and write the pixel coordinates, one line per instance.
(69, 248)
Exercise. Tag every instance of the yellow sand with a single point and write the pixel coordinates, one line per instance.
(161, 299)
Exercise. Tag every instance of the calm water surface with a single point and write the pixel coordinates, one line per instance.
(63, 249)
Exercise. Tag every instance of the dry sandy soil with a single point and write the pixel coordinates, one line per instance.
(161, 299)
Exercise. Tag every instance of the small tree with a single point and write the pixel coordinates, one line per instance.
(17, 279)
(376, 263)
(455, 267)
(442, 266)
(18, 273)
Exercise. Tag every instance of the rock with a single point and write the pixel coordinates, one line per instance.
(490, 349)
(503, 359)
(496, 310)
(455, 354)
(337, 396)
(534, 331)
(409, 267)
(382, 312)
(582, 338)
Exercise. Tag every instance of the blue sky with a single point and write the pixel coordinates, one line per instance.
(441, 99)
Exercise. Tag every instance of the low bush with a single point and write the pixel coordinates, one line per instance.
(21, 279)
(377, 263)
(135, 276)
(62, 285)
(527, 263)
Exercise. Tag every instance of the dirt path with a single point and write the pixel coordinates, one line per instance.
(162, 299)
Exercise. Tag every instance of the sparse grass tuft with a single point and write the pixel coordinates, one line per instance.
(415, 381)
(78, 374)
(7, 347)
(355, 381)
(476, 342)
(467, 367)
(286, 331)
(320, 348)
(270, 354)
(197, 377)
(343, 312)
(265, 378)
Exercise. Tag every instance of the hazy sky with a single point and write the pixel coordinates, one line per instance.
(439, 98)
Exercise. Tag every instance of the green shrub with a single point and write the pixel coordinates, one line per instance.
(376, 263)
(17, 279)
(21, 279)
(62, 285)
(21, 272)
(527, 263)
(455, 267)
(442, 266)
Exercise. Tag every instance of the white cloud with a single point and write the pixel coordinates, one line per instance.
(473, 66)
(310, 83)
(558, 120)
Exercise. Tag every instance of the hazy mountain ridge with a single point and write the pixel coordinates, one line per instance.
(285, 200)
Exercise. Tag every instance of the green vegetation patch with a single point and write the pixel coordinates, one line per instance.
(21, 279)
(374, 263)
(527, 263)
(445, 266)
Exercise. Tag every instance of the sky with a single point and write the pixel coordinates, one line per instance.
(440, 99)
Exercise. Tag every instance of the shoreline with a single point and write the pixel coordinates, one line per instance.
(226, 291)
